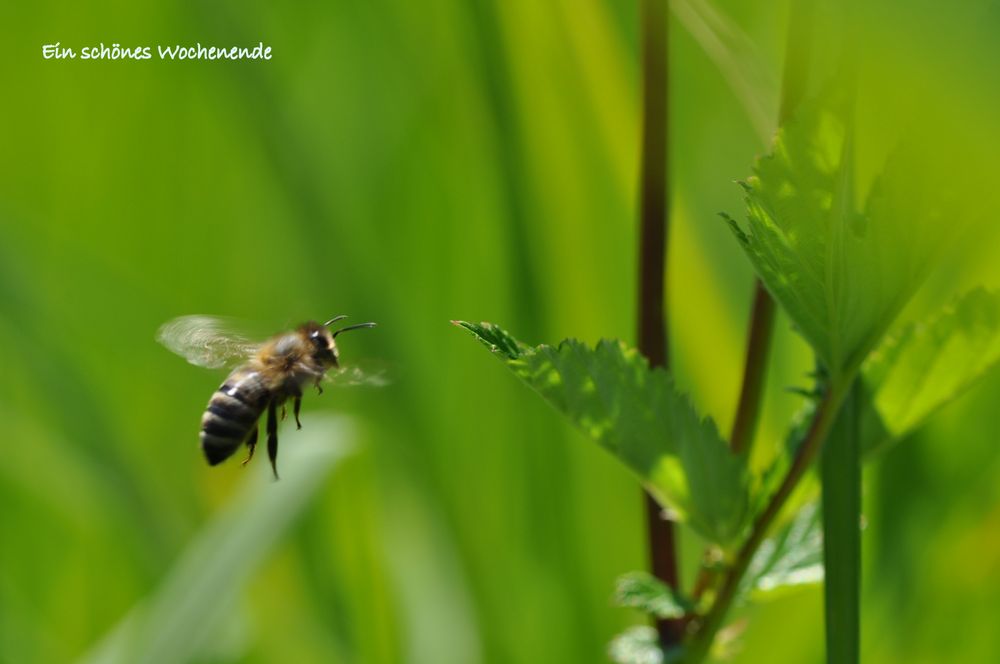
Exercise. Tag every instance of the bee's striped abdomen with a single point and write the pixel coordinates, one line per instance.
(232, 414)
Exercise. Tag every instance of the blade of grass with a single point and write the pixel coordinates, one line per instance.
(189, 608)
(736, 57)
(841, 481)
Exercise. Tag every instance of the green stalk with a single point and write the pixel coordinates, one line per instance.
(841, 481)
(707, 628)
(652, 310)
(840, 468)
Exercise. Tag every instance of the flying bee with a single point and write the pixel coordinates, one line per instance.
(268, 374)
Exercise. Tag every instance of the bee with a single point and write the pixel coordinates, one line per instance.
(268, 374)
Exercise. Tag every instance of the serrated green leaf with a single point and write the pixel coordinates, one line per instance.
(791, 558)
(841, 273)
(643, 591)
(611, 393)
(496, 339)
(927, 365)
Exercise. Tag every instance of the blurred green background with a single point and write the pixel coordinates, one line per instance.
(411, 163)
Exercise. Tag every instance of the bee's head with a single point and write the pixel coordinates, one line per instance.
(323, 347)
(322, 340)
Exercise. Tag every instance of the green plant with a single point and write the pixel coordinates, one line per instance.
(842, 270)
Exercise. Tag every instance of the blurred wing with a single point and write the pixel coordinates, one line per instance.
(206, 341)
(365, 375)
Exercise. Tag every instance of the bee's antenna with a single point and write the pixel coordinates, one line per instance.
(352, 327)
(334, 320)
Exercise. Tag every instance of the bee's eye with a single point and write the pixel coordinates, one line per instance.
(318, 340)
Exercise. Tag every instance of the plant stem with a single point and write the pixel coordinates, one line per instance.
(652, 317)
(840, 474)
(653, 213)
(798, 51)
(840, 468)
(754, 371)
(823, 420)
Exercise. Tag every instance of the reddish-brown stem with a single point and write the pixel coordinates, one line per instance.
(652, 316)
(822, 421)
(798, 51)
(754, 371)
(652, 324)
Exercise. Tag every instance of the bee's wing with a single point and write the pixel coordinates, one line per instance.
(206, 341)
(364, 374)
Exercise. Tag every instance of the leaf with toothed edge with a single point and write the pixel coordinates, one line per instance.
(841, 272)
(610, 392)
(791, 558)
(926, 365)
(643, 591)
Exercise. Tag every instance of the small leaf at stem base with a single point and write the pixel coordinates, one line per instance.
(643, 591)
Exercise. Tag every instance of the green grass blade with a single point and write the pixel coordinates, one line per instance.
(737, 58)
(841, 479)
(189, 610)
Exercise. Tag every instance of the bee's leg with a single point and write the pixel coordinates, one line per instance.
(272, 437)
(251, 444)
(284, 413)
(319, 388)
(295, 409)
